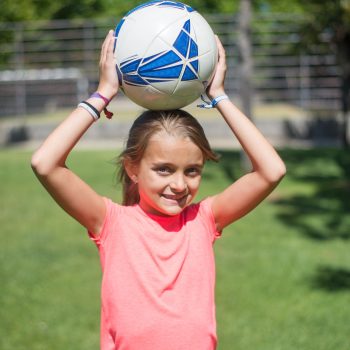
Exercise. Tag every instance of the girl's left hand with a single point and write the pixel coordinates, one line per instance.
(216, 87)
(109, 83)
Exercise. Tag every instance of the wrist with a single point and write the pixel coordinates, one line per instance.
(103, 98)
(215, 94)
(108, 93)
(213, 102)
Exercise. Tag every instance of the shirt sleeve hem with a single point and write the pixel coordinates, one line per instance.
(207, 203)
(99, 237)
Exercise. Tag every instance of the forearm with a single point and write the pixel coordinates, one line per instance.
(262, 155)
(56, 148)
(53, 153)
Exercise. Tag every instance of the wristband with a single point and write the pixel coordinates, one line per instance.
(108, 114)
(91, 109)
(98, 95)
(213, 102)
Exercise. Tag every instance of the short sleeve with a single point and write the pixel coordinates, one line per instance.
(207, 214)
(98, 238)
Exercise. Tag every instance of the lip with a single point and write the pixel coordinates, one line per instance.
(174, 198)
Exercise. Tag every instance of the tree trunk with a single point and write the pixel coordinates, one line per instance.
(246, 66)
(246, 60)
(343, 48)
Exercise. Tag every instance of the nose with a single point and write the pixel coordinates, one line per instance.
(178, 183)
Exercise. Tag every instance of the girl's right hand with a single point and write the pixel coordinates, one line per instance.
(109, 83)
(216, 87)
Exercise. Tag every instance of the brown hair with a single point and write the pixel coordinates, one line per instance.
(149, 123)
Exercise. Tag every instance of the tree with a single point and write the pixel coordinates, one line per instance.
(29, 10)
(332, 18)
(23, 10)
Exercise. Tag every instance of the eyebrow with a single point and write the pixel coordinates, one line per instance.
(191, 165)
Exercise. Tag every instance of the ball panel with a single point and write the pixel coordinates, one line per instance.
(203, 33)
(193, 89)
(152, 98)
(141, 25)
(207, 65)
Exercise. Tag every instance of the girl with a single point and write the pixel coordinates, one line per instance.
(156, 248)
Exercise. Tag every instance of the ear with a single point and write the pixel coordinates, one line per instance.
(132, 170)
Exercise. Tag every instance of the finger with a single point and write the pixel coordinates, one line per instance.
(221, 49)
(221, 53)
(105, 46)
(110, 44)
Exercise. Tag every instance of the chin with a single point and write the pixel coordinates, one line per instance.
(164, 207)
(173, 210)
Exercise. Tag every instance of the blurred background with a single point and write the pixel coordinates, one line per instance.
(288, 64)
(284, 272)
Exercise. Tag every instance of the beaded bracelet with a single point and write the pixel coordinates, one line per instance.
(213, 102)
(91, 109)
(108, 114)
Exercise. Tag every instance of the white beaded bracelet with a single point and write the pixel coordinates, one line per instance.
(213, 102)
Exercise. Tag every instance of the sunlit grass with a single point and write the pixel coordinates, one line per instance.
(283, 272)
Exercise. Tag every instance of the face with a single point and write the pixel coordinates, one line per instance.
(169, 174)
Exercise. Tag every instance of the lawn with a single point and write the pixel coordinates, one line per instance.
(283, 271)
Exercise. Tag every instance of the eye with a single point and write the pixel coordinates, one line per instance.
(162, 170)
(193, 171)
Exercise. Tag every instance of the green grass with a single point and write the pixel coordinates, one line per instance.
(283, 272)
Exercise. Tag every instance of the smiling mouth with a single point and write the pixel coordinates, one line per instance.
(176, 198)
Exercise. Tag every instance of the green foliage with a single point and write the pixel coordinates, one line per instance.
(277, 6)
(18, 10)
(328, 14)
(46, 9)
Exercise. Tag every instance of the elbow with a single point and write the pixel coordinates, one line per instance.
(36, 164)
(277, 173)
(39, 165)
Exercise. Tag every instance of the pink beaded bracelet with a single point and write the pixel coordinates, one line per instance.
(108, 114)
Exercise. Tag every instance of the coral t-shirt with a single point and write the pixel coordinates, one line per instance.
(158, 279)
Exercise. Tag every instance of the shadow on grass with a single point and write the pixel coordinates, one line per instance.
(323, 212)
(229, 163)
(331, 279)
(319, 208)
(316, 203)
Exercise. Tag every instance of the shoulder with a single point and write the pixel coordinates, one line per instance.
(115, 213)
(202, 212)
(202, 207)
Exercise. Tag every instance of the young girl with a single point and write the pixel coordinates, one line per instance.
(156, 248)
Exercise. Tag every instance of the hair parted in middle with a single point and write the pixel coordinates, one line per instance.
(176, 123)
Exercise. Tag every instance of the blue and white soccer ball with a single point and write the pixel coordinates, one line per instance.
(166, 54)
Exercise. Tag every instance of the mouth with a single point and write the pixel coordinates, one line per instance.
(175, 197)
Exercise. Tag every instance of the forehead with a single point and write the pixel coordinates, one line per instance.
(163, 147)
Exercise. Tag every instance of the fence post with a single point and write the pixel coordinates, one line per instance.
(20, 85)
(89, 48)
(304, 81)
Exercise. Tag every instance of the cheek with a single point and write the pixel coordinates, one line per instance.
(194, 184)
(151, 183)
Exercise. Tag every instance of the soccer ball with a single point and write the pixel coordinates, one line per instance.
(165, 54)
